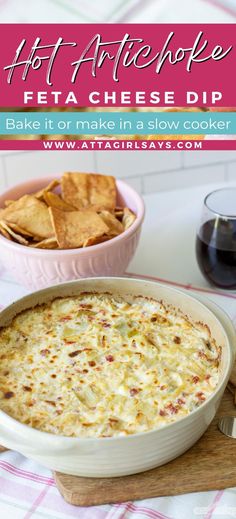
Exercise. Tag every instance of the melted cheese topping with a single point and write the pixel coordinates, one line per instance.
(96, 365)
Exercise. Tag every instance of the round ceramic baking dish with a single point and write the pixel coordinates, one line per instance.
(110, 457)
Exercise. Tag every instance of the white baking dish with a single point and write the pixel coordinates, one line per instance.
(110, 457)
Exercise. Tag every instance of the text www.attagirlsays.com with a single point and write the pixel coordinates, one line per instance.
(104, 144)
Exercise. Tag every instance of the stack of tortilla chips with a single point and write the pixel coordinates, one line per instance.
(79, 210)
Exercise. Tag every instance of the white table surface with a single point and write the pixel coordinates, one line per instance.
(166, 251)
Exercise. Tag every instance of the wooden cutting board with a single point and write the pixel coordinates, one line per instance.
(209, 465)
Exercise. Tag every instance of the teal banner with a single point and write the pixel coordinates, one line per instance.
(119, 123)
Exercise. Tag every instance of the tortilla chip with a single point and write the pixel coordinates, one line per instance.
(102, 191)
(53, 200)
(128, 218)
(20, 230)
(30, 214)
(8, 202)
(16, 237)
(5, 233)
(72, 229)
(75, 189)
(40, 194)
(48, 243)
(115, 227)
(85, 191)
(119, 213)
(96, 241)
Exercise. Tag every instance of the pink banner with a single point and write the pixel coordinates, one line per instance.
(117, 145)
(117, 65)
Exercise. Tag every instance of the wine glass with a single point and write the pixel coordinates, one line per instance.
(216, 238)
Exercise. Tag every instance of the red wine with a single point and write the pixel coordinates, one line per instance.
(216, 252)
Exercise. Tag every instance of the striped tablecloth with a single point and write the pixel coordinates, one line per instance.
(140, 11)
(27, 490)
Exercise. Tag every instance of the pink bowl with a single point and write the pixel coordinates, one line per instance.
(38, 268)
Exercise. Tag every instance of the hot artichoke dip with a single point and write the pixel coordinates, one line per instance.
(99, 365)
